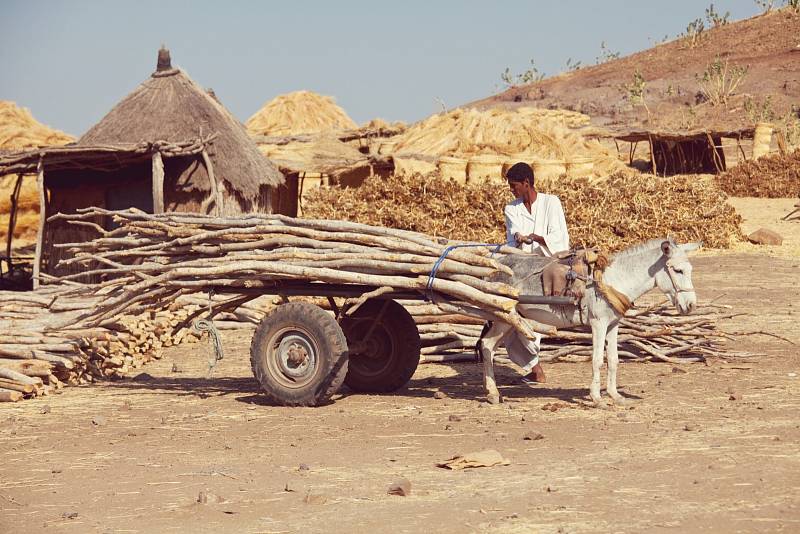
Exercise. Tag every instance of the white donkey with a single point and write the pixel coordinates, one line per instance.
(630, 274)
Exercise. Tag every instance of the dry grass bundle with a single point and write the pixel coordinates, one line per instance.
(19, 130)
(614, 213)
(380, 124)
(301, 112)
(573, 119)
(28, 215)
(776, 176)
(543, 134)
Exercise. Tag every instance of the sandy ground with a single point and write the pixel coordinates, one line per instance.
(705, 448)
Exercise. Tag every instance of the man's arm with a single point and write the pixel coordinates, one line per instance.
(557, 237)
(512, 230)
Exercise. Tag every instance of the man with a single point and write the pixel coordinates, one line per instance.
(535, 223)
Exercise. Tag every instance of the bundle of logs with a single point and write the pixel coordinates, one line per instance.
(654, 332)
(152, 260)
(42, 348)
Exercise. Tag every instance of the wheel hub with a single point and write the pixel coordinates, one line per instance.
(296, 357)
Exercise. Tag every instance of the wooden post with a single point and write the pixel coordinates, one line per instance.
(37, 260)
(739, 144)
(652, 154)
(216, 190)
(714, 156)
(158, 183)
(12, 218)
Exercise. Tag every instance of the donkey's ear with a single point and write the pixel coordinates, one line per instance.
(688, 247)
(666, 248)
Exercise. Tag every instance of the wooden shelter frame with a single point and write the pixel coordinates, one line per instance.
(97, 158)
(707, 136)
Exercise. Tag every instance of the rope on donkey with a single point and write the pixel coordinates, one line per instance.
(432, 275)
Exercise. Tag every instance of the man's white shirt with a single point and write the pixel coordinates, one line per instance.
(546, 219)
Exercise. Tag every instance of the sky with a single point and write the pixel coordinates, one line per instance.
(70, 62)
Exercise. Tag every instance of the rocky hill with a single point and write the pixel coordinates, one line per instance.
(660, 88)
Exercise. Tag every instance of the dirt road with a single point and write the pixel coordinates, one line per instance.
(704, 449)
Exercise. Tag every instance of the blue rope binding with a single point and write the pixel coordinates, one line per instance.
(432, 276)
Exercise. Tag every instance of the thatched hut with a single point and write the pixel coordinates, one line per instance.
(168, 146)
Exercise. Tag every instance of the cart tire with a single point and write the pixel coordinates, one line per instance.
(390, 356)
(299, 355)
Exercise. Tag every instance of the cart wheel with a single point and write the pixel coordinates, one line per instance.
(384, 346)
(299, 355)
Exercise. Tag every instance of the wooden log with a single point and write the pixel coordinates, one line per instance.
(7, 395)
(37, 260)
(25, 367)
(216, 188)
(158, 182)
(16, 386)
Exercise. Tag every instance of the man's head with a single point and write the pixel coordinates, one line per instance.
(520, 179)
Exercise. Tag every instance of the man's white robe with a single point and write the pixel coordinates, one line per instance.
(546, 219)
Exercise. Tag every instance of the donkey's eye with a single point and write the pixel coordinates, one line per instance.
(679, 271)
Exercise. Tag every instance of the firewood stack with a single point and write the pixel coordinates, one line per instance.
(42, 349)
(152, 260)
(656, 333)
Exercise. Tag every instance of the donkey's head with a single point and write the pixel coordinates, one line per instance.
(674, 277)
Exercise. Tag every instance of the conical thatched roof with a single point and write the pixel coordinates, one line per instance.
(301, 112)
(170, 106)
(19, 130)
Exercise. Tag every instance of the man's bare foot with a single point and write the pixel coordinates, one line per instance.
(536, 374)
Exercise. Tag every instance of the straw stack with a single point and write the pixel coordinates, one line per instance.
(301, 112)
(523, 134)
(19, 130)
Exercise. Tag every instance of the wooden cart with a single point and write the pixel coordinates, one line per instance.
(301, 354)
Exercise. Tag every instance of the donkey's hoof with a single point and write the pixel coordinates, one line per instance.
(619, 400)
(493, 398)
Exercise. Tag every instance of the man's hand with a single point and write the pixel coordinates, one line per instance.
(528, 239)
(535, 238)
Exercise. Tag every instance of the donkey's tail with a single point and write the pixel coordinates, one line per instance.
(478, 353)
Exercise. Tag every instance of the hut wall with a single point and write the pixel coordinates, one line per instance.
(285, 197)
(354, 178)
(68, 190)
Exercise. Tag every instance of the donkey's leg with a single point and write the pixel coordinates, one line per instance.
(613, 361)
(488, 346)
(599, 328)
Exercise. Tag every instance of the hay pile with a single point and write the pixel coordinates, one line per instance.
(521, 132)
(20, 131)
(776, 176)
(614, 213)
(301, 112)
(380, 124)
